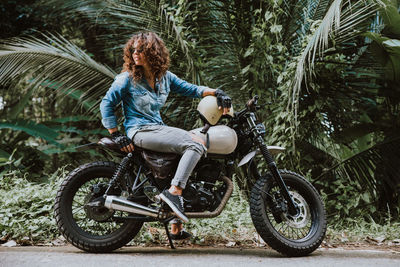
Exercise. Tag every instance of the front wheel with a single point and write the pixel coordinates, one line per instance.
(290, 235)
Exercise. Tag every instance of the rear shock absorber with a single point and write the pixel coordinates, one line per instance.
(120, 172)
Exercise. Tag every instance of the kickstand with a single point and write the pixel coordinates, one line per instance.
(169, 236)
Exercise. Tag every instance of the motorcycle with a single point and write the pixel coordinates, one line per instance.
(101, 206)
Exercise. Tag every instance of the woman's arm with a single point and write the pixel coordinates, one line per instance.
(107, 108)
(112, 98)
(208, 91)
(188, 89)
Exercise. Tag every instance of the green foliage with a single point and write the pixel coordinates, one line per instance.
(62, 66)
(34, 129)
(23, 17)
(343, 201)
(361, 229)
(26, 208)
(8, 162)
(344, 102)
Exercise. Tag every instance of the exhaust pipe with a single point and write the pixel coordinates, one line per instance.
(122, 204)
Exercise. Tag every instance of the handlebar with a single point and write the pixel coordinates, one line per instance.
(252, 103)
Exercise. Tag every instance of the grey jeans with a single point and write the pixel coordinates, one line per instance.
(167, 139)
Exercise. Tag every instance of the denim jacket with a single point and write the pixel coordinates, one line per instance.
(141, 105)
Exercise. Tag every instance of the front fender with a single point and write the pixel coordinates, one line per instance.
(274, 150)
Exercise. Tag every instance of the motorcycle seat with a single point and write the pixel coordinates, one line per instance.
(161, 164)
(110, 144)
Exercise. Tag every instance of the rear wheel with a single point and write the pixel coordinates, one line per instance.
(290, 235)
(88, 227)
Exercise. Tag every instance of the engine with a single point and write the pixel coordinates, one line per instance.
(201, 196)
(205, 191)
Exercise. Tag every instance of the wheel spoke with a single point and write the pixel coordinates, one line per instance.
(280, 228)
(292, 227)
(304, 232)
(74, 211)
(79, 203)
(83, 217)
(298, 234)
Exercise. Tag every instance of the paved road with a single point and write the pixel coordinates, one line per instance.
(204, 257)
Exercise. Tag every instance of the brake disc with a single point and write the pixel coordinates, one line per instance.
(303, 217)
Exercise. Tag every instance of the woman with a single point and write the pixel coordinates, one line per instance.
(143, 87)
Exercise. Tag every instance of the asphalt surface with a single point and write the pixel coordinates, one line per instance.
(205, 257)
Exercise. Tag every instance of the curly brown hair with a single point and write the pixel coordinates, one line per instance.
(155, 52)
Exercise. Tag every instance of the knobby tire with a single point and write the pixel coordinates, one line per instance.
(66, 223)
(264, 222)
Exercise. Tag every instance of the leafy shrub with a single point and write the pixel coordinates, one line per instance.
(26, 211)
(26, 208)
(346, 200)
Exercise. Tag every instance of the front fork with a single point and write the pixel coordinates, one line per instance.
(258, 133)
(292, 207)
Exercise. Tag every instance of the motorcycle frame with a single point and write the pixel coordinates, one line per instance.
(134, 184)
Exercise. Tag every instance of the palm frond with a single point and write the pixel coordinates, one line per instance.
(298, 19)
(120, 19)
(31, 128)
(56, 62)
(375, 170)
(340, 23)
(217, 43)
(173, 26)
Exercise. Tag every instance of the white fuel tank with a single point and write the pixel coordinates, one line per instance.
(223, 140)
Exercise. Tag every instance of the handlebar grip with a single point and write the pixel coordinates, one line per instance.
(252, 102)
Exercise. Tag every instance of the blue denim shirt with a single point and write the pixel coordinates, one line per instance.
(141, 105)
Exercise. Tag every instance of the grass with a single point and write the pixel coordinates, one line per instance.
(364, 231)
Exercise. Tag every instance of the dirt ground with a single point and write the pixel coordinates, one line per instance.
(208, 242)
